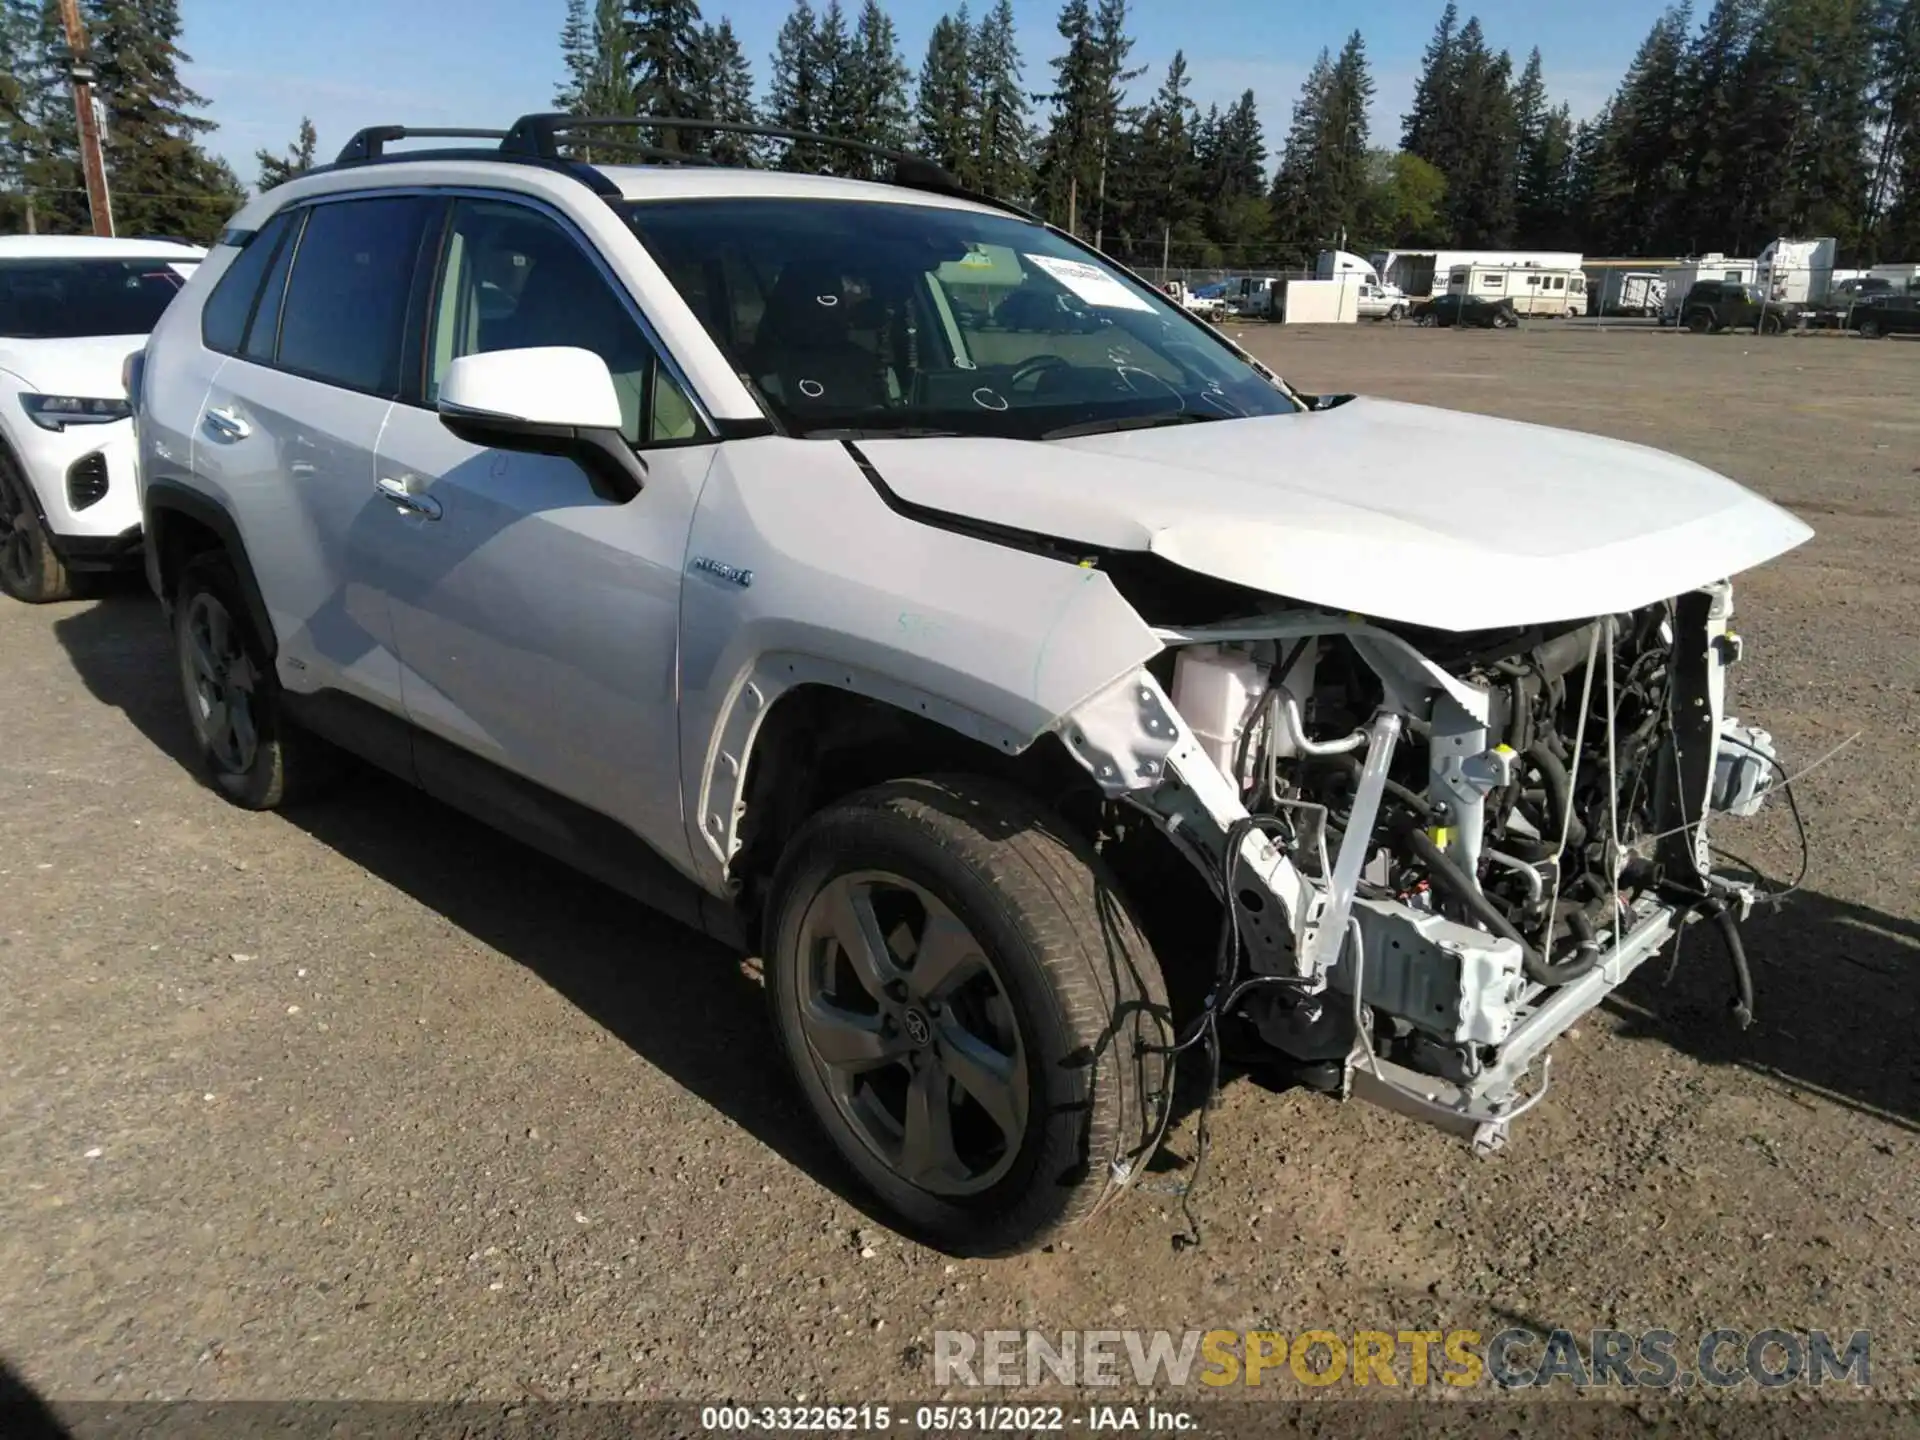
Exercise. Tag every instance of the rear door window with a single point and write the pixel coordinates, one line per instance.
(345, 310)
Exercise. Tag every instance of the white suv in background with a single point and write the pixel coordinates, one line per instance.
(72, 309)
(885, 582)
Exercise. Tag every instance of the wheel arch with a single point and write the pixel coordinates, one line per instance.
(181, 523)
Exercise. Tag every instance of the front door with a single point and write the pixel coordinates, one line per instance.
(536, 621)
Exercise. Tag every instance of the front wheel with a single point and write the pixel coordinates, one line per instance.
(1700, 322)
(30, 568)
(970, 1009)
(1870, 329)
(1397, 312)
(1772, 325)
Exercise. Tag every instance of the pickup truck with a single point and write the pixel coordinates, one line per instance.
(1382, 302)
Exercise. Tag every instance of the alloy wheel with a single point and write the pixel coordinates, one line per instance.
(221, 683)
(17, 539)
(911, 1030)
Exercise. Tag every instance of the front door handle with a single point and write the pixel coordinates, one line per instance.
(227, 425)
(400, 492)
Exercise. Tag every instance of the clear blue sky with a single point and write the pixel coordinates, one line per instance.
(347, 63)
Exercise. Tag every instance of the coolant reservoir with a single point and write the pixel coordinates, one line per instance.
(1217, 692)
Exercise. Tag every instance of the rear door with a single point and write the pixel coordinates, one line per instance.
(288, 434)
(537, 621)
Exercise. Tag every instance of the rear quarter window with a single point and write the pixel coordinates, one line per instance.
(223, 319)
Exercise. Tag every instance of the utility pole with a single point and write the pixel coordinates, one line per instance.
(92, 163)
(1073, 205)
(1100, 225)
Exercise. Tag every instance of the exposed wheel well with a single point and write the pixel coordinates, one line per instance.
(819, 744)
(177, 537)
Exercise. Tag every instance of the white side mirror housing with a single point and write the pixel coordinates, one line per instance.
(547, 388)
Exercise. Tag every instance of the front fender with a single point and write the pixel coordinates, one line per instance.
(798, 572)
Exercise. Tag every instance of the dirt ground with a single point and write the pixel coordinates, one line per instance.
(366, 1101)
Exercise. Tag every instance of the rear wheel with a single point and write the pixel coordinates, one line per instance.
(1700, 322)
(1772, 325)
(251, 752)
(968, 1006)
(1870, 329)
(30, 568)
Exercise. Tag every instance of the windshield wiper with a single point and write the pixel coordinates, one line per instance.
(881, 432)
(1131, 422)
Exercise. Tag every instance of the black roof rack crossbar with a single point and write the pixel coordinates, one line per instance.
(371, 143)
(537, 135)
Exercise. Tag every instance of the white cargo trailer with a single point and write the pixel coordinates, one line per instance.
(1711, 266)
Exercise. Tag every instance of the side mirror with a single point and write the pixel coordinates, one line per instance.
(551, 400)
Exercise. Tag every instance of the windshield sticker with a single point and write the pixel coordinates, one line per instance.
(1090, 283)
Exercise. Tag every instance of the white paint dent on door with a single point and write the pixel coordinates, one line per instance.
(292, 461)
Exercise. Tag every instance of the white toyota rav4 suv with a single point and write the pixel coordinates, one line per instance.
(885, 582)
(72, 309)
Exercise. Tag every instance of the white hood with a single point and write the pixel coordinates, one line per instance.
(89, 366)
(1400, 512)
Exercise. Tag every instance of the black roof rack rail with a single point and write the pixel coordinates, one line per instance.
(536, 136)
(371, 143)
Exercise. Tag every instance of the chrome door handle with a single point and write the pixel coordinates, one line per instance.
(227, 425)
(400, 493)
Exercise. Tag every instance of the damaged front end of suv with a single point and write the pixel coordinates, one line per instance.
(1436, 850)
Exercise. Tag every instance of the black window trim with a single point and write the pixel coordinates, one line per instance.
(413, 387)
(296, 231)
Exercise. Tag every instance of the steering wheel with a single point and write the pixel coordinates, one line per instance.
(1036, 367)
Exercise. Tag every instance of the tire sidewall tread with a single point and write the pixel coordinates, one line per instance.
(1033, 893)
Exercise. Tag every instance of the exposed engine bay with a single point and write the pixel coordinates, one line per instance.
(1436, 851)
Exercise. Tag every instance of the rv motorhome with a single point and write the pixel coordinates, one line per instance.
(1559, 292)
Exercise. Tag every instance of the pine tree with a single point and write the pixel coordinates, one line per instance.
(797, 90)
(876, 83)
(1231, 151)
(300, 158)
(608, 89)
(944, 106)
(1542, 163)
(576, 58)
(1892, 218)
(1003, 143)
(163, 182)
(1480, 177)
(725, 91)
(1638, 173)
(1088, 102)
(1318, 192)
(833, 54)
(1153, 179)
(25, 83)
(1427, 129)
(665, 65)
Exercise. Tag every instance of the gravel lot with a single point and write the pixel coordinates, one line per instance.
(366, 1101)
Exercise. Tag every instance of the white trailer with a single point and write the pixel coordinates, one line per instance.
(1711, 266)
(1559, 292)
(1904, 276)
(1629, 292)
(1372, 299)
(1422, 274)
(1798, 271)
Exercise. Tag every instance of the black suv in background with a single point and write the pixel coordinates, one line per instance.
(1882, 315)
(1715, 305)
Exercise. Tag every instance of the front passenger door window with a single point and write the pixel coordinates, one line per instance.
(513, 279)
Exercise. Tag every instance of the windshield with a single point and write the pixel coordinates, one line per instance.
(52, 299)
(851, 316)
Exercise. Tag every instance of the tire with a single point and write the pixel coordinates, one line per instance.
(251, 753)
(1045, 1101)
(1700, 322)
(30, 568)
(1397, 312)
(1870, 329)
(1772, 325)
